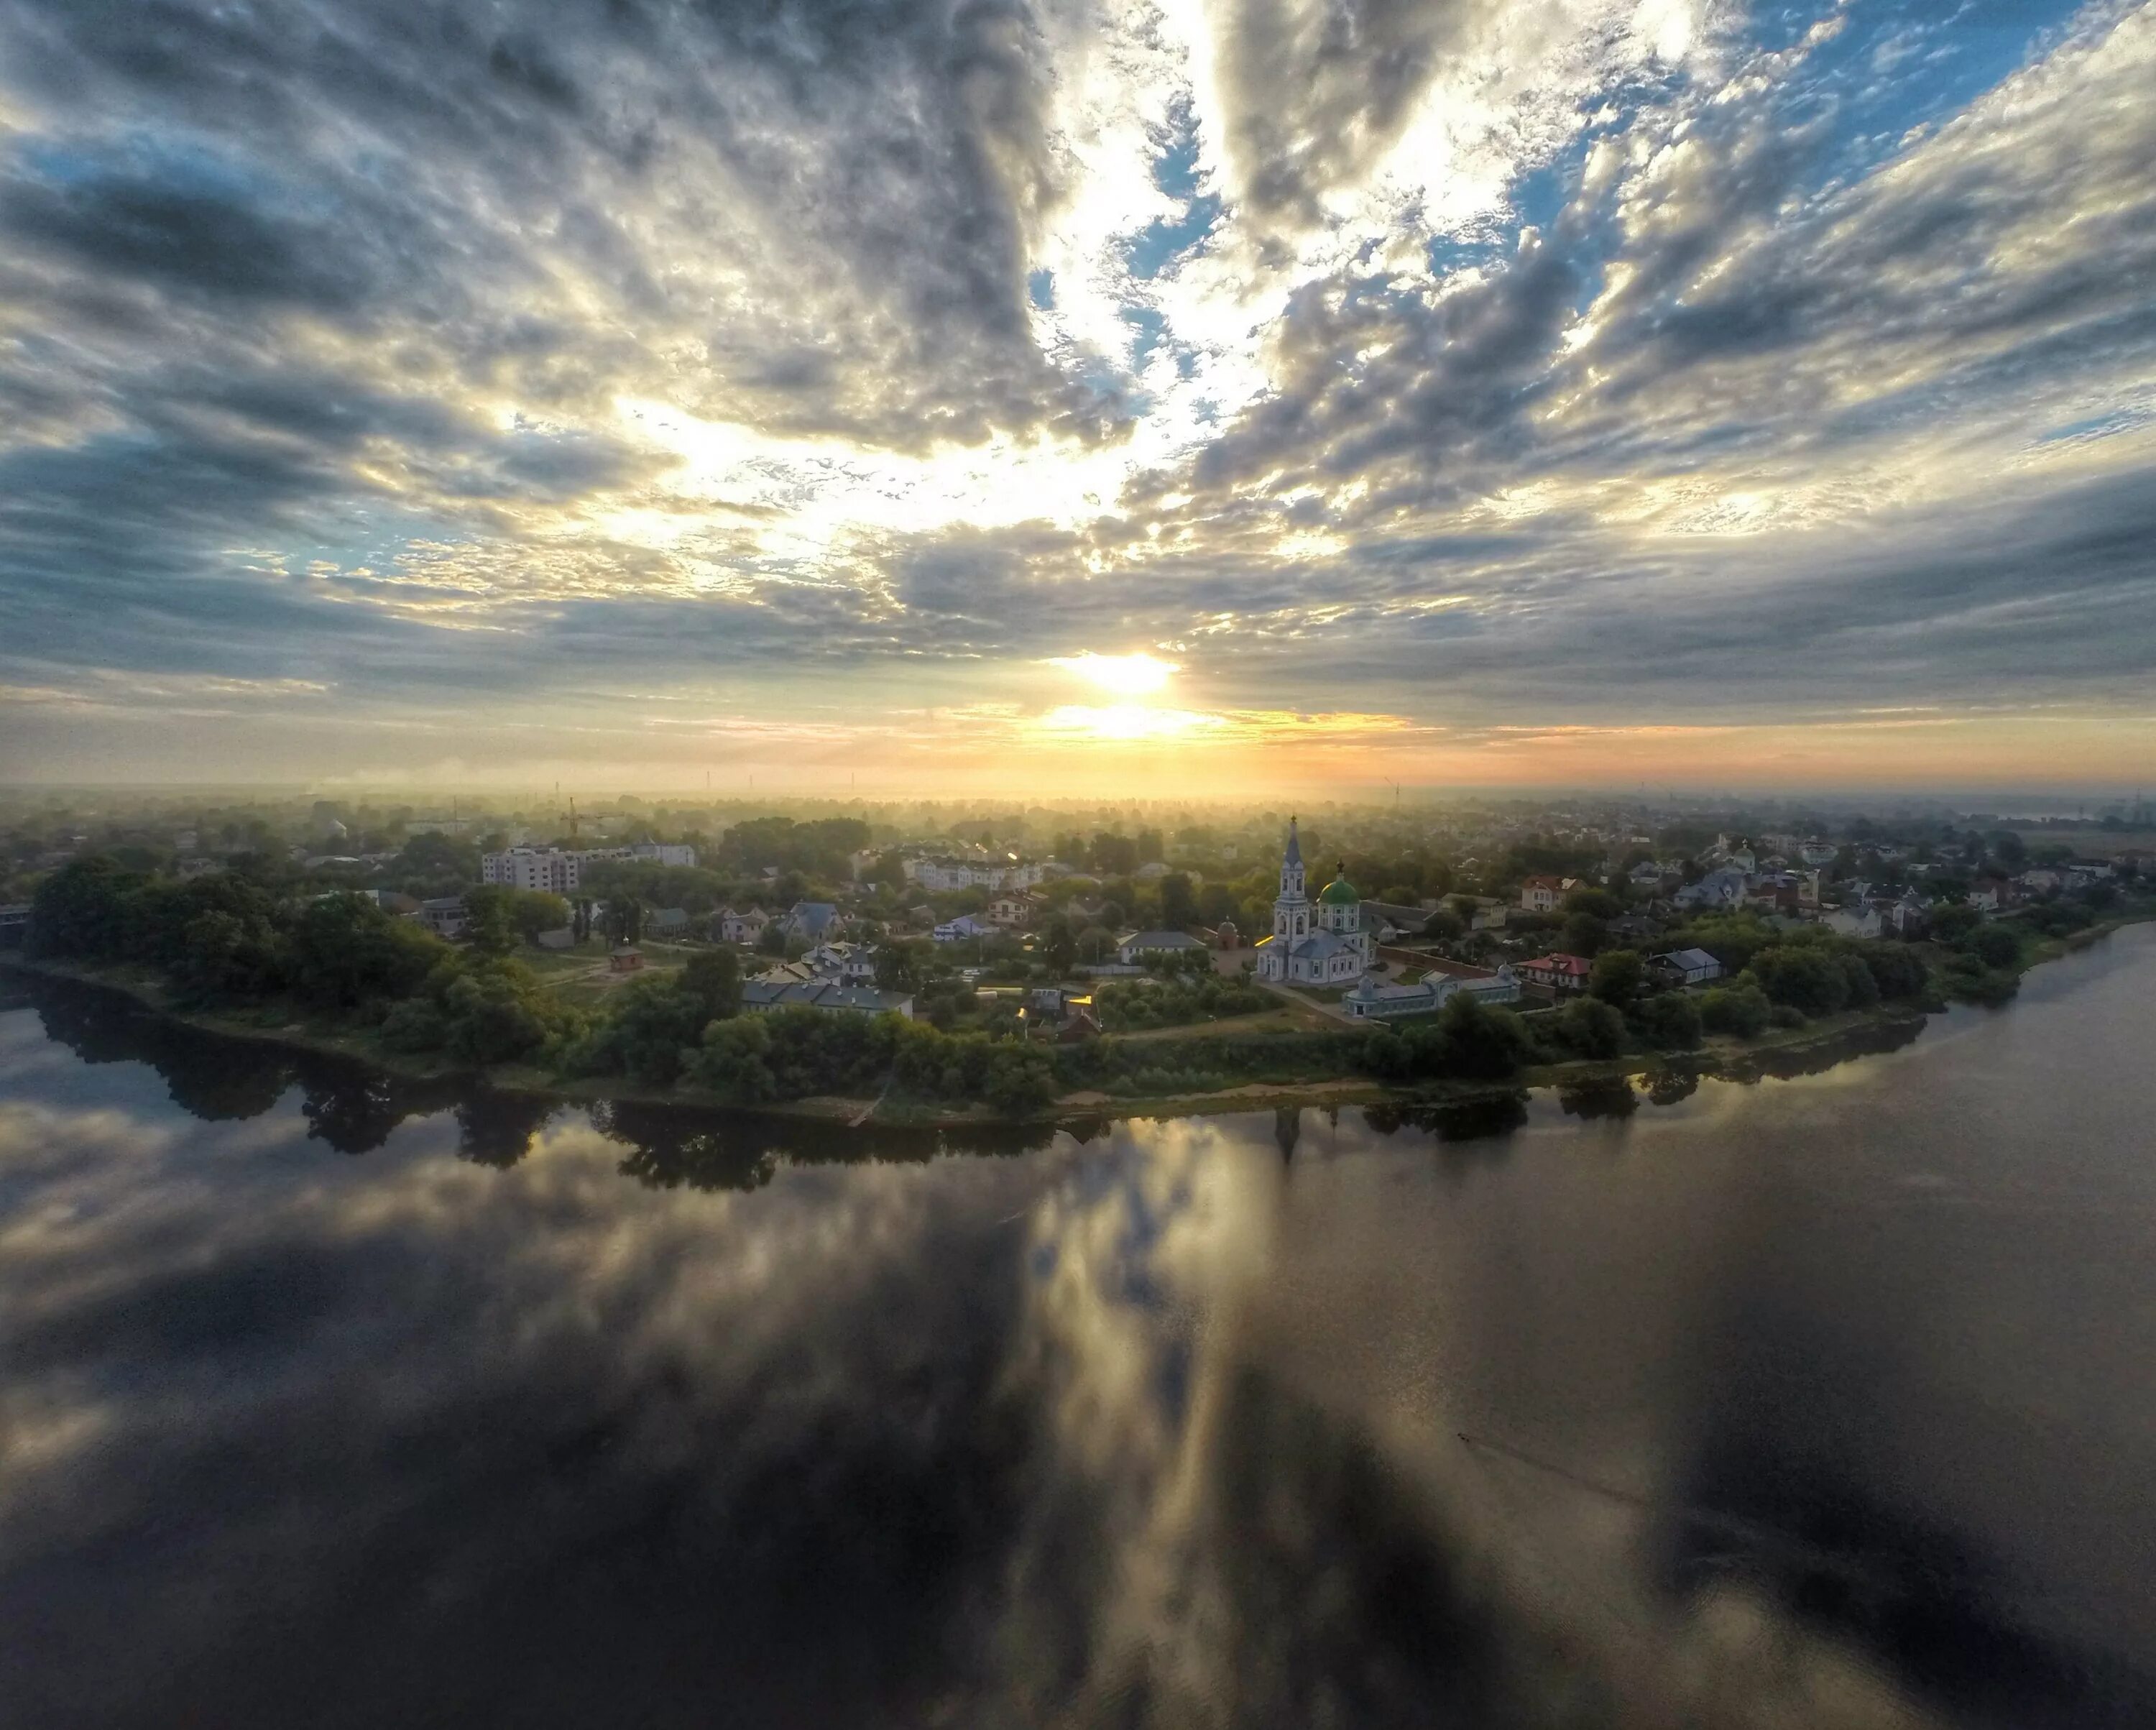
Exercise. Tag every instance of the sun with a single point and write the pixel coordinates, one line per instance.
(1124, 675)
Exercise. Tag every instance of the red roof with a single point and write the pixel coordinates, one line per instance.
(1576, 966)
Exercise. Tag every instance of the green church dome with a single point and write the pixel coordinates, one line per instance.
(1339, 893)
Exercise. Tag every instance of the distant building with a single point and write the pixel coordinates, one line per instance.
(962, 929)
(1686, 967)
(1370, 1001)
(1544, 895)
(1141, 946)
(444, 916)
(1563, 974)
(745, 927)
(764, 995)
(669, 922)
(625, 958)
(1323, 944)
(811, 921)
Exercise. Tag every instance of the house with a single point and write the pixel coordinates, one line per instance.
(1011, 910)
(1649, 874)
(849, 963)
(1991, 894)
(762, 995)
(1908, 917)
(811, 921)
(962, 929)
(444, 916)
(1723, 888)
(1543, 894)
(1561, 973)
(747, 926)
(1858, 921)
(1077, 1027)
(1818, 852)
(1631, 929)
(2038, 880)
(625, 958)
(1143, 946)
(669, 923)
(1685, 966)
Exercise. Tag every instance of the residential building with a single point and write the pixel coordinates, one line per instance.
(1014, 909)
(964, 928)
(1686, 967)
(1818, 852)
(1323, 944)
(745, 927)
(1723, 888)
(546, 869)
(764, 995)
(811, 921)
(443, 915)
(665, 853)
(849, 963)
(1857, 921)
(1143, 946)
(668, 922)
(942, 875)
(1563, 974)
(1543, 894)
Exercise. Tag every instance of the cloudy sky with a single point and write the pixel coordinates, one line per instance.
(1079, 393)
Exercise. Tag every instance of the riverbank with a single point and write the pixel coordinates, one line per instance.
(1817, 1045)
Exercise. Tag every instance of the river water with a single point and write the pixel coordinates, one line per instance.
(1819, 1400)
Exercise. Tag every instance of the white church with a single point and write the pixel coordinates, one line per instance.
(1314, 944)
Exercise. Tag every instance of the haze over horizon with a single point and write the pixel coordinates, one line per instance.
(1078, 395)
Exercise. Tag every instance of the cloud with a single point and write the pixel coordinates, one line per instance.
(1316, 348)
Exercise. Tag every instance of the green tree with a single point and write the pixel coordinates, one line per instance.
(1178, 906)
(1740, 1009)
(490, 920)
(1995, 946)
(712, 979)
(731, 1060)
(1671, 1021)
(1591, 1028)
(1618, 976)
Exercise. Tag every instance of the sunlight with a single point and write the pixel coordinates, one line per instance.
(1124, 675)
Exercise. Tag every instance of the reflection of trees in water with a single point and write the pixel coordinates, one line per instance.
(219, 1077)
(1868, 1038)
(1485, 1117)
(496, 1129)
(687, 1146)
(1670, 1087)
(1589, 1100)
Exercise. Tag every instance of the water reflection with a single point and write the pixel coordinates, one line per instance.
(1810, 1402)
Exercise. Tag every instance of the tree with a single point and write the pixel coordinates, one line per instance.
(1671, 1020)
(1618, 976)
(344, 950)
(1058, 948)
(1740, 1009)
(489, 922)
(1591, 1028)
(732, 1060)
(80, 910)
(1584, 934)
(1178, 906)
(1995, 946)
(712, 979)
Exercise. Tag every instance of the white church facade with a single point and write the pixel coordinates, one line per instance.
(1319, 942)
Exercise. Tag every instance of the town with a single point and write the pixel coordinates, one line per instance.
(1016, 959)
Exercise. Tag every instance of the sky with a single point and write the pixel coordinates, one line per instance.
(1175, 396)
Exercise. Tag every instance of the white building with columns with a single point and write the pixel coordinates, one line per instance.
(1319, 942)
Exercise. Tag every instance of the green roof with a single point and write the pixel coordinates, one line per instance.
(1339, 893)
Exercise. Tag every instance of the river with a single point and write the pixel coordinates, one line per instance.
(1820, 1400)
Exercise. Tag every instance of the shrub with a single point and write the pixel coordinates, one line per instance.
(1740, 1010)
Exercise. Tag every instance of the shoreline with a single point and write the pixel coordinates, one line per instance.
(1841, 1038)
